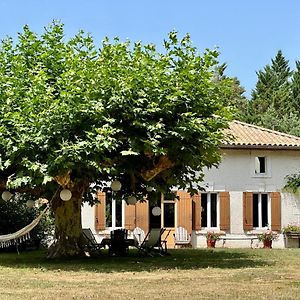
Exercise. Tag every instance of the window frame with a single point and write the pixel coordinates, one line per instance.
(208, 218)
(256, 166)
(113, 213)
(163, 202)
(260, 217)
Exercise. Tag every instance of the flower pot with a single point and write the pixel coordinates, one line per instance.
(211, 243)
(267, 244)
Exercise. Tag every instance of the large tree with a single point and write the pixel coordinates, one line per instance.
(74, 116)
(275, 99)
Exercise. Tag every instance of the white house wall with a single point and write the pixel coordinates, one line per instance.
(236, 174)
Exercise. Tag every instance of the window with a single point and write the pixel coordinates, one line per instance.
(260, 165)
(168, 211)
(114, 212)
(210, 217)
(261, 210)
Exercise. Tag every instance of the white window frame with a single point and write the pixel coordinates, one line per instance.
(260, 210)
(113, 214)
(255, 169)
(163, 201)
(208, 220)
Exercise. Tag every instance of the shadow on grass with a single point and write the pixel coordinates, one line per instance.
(183, 259)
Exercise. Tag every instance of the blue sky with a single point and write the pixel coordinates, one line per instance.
(248, 32)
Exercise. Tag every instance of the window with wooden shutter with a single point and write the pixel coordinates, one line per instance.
(248, 210)
(224, 211)
(275, 211)
(100, 211)
(184, 210)
(196, 212)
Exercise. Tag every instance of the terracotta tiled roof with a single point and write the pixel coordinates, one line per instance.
(251, 136)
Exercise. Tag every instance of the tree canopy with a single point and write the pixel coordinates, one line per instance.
(275, 100)
(72, 114)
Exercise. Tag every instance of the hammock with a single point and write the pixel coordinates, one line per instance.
(22, 234)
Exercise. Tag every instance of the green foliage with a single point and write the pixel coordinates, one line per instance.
(268, 235)
(214, 236)
(113, 112)
(275, 99)
(14, 215)
(293, 228)
(292, 183)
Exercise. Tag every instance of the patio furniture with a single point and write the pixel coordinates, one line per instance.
(138, 235)
(118, 242)
(153, 243)
(182, 237)
(92, 243)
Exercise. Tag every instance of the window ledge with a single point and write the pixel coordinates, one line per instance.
(205, 231)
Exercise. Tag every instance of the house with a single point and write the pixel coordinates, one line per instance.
(243, 196)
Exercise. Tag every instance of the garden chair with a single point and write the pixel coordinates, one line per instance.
(138, 235)
(153, 243)
(182, 237)
(92, 243)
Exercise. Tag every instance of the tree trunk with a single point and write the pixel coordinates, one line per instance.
(69, 240)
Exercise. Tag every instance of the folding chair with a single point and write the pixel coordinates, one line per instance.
(153, 243)
(92, 243)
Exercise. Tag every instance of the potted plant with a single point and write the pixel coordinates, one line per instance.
(291, 235)
(291, 228)
(267, 237)
(211, 238)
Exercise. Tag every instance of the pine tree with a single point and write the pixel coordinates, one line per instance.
(295, 86)
(273, 86)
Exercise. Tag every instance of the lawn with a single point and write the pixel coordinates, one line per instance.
(185, 274)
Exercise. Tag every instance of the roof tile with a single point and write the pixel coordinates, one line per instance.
(252, 136)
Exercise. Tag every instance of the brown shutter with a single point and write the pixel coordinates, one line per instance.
(248, 210)
(196, 208)
(184, 211)
(130, 216)
(224, 211)
(142, 215)
(100, 211)
(275, 211)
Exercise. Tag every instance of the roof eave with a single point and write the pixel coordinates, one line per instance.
(260, 147)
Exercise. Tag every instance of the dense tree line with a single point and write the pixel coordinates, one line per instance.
(275, 100)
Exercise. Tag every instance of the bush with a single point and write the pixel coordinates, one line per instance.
(14, 215)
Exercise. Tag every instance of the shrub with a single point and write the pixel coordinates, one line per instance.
(14, 215)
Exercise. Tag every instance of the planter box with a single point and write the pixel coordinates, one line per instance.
(292, 239)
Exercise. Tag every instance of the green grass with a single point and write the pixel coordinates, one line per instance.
(186, 273)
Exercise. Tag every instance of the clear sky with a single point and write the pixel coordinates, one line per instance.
(248, 32)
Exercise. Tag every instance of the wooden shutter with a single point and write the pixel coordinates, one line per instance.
(130, 216)
(184, 210)
(100, 211)
(196, 208)
(142, 215)
(248, 210)
(224, 211)
(275, 211)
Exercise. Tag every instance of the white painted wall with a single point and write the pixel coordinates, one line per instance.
(236, 174)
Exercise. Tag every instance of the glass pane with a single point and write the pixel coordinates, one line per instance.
(118, 213)
(213, 210)
(108, 219)
(264, 210)
(255, 210)
(169, 215)
(262, 164)
(203, 210)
